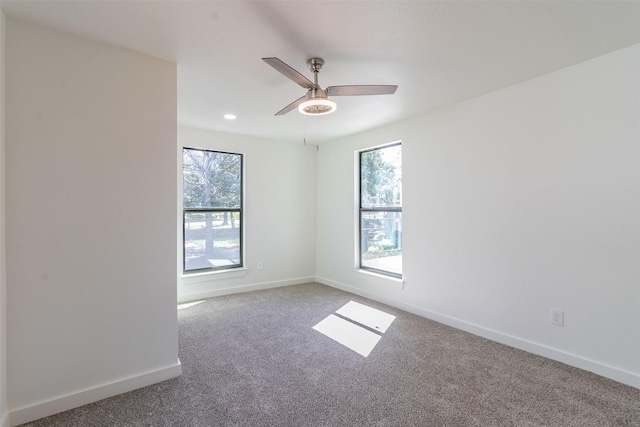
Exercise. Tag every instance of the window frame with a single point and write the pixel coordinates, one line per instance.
(363, 210)
(239, 210)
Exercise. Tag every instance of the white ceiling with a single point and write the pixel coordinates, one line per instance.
(437, 52)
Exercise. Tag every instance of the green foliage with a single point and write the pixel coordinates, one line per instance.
(211, 179)
(381, 176)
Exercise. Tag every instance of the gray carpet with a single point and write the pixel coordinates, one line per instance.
(254, 360)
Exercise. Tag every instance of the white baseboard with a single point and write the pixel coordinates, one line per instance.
(191, 296)
(4, 421)
(611, 372)
(84, 397)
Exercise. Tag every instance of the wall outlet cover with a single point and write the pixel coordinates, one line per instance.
(557, 317)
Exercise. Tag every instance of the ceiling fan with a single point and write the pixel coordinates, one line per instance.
(316, 101)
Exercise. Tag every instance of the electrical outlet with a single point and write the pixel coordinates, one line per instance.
(260, 266)
(557, 317)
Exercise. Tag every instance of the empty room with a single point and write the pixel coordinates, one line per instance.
(319, 213)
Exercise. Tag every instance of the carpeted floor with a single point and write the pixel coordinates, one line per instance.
(254, 359)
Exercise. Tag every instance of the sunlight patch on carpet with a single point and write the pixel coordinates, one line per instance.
(352, 336)
(189, 304)
(367, 316)
(356, 326)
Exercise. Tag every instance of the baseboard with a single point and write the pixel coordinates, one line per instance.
(4, 421)
(229, 290)
(84, 397)
(613, 373)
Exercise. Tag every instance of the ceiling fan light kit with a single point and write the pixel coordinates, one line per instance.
(317, 105)
(316, 101)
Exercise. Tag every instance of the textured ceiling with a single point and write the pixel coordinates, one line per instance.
(437, 52)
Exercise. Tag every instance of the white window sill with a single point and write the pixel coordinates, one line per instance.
(381, 278)
(207, 276)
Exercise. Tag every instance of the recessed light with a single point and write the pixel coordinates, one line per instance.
(230, 116)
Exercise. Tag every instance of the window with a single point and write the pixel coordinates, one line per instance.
(212, 210)
(381, 210)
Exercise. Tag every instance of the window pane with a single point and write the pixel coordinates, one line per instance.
(211, 179)
(211, 240)
(381, 246)
(381, 177)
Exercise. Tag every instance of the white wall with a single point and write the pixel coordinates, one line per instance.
(516, 202)
(90, 195)
(279, 217)
(3, 257)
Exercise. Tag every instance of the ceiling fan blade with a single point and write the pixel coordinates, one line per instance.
(291, 106)
(290, 73)
(353, 90)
